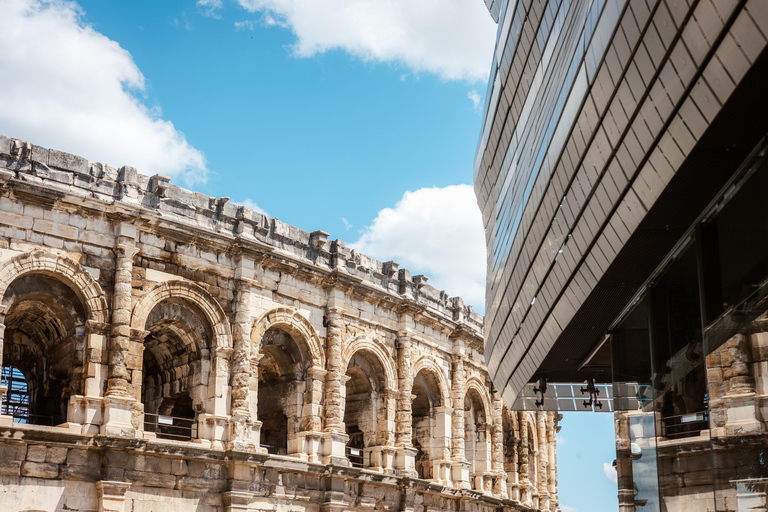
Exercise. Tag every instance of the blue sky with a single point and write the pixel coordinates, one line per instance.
(360, 118)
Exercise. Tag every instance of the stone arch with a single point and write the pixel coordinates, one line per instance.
(375, 346)
(185, 337)
(292, 322)
(62, 269)
(474, 383)
(193, 293)
(288, 378)
(54, 308)
(430, 365)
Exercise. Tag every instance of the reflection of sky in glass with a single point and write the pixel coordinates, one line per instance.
(644, 470)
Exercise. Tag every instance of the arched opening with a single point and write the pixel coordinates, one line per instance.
(363, 406)
(426, 392)
(281, 390)
(174, 376)
(43, 343)
(475, 437)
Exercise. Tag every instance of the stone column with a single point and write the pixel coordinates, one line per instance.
(334, 438)
(543, 465)
(112, 495)
(245, 429)
(512, 459)
(552, 466)
(497, 447)
(741, 403)
(522, 456)
(441, 452)
(308, 444)
(382, 456)
(334, 401)
(122, 391)
(406, 454)
(460, 466)
(5, 420)
(213, 425)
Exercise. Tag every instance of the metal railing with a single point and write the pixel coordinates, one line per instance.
(685, 425)
(272, 450)
(355, 456)
(170, 427)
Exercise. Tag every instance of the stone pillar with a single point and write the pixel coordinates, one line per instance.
(112, 495)
(543, 465)
(523, 456)
(309, 444)
(497, 447)
(4, 419)
(213, 425)
(441, 445)
(245, 429)
(335, 438)
(512, 459)
(460, 469)
(334, 401)
(382, 456)
(406, 454)
(740, 400)
(552, 466)
(122, 391)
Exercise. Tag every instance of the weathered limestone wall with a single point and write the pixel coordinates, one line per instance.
(182, 352)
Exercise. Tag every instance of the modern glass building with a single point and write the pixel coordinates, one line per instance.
(622, 177)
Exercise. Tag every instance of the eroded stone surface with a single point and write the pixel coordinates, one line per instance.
(182, 352)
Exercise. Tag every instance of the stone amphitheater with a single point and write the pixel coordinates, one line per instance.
(163, 350)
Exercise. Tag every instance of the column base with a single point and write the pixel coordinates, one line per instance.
(245, 436)
(85, 414)
(212, 430)
(306, 446)
(117, 414)
(405, 461)
(742, 414)
(441, 472)
(334, 448)
(380, 458)
(460, 474)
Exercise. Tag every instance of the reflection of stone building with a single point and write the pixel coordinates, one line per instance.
(165, 350)
(622, 175)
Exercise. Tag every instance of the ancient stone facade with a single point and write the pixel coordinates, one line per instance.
(164, 351)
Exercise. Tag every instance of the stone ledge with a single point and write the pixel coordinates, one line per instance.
(63, 173)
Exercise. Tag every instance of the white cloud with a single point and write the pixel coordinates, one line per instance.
(245, 25)
(472, 95)
(568, 508)
(210, 7)
(610, 473)
(559, 440)
(435, 231)
(452, 38)
(347, 224)
(69, 87)
(250, 203)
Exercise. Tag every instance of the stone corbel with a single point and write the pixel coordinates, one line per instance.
(112, 495)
